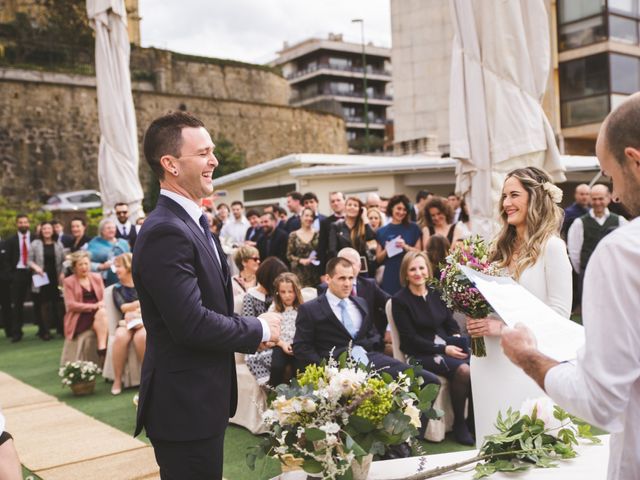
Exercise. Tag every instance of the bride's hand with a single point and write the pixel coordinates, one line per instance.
(484, 327)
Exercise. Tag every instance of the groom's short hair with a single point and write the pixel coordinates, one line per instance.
(164, 137)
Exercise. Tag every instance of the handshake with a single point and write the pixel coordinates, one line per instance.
(272, 319)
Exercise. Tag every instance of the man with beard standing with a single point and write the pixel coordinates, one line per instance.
(603, 386)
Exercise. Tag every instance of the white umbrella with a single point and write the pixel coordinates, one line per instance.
(499, 70)
(118, 155)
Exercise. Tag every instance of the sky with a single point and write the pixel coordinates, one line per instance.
(254, 30)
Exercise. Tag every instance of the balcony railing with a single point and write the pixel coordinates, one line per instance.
(338, 93)
(327, 66)
(377, 120)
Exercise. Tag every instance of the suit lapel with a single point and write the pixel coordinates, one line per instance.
(328, 313)
(195, 229)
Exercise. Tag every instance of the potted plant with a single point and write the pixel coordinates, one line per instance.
(334, 417)
(80, 376)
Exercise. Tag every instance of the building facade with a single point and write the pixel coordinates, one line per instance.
(596, 64)
(328, 75)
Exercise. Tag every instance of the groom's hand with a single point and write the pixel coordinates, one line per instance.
(273, 320)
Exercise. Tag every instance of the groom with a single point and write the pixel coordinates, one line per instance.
(188, 389)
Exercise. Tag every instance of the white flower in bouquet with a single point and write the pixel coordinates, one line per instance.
(308, 405)
(330, 427)
(347, 381)
(544, 411)
(411, 411)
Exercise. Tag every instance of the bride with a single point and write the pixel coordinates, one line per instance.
(529, 247)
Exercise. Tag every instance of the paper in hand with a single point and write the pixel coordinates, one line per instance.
(391, 248)
(40, 280)
(557, 337)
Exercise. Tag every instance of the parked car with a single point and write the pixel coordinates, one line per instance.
(78, 200)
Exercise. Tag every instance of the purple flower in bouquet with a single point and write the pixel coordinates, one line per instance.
(457, 290)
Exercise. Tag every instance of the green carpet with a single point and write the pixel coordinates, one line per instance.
(36, 363)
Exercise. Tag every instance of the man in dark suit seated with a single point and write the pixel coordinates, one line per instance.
(367, 289)
(188, 390)
(273, 242)
(332, 320)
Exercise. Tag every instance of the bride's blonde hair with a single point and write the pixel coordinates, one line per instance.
(543, 220)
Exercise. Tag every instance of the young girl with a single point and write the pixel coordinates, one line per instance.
(286, 301)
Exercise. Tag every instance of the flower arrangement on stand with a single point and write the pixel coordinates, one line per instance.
(457, 290)
(80, 376)
(537, 436)
(340, 412)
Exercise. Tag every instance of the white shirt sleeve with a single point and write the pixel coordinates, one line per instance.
(558, 276)
(598, 388)
(575, 238)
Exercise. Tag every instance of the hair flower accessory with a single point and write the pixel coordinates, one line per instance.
(554, 192)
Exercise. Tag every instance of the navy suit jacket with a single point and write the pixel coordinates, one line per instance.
(318, 331)
(376, 298)
(188, 389)
(570, 214)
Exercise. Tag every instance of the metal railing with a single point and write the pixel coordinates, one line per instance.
(328, 66)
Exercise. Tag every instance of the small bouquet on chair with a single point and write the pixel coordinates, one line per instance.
(457, 290)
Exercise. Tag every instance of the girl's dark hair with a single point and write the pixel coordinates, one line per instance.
(358, 232)
(286, 277)
(395, 200)
(464, 216)
(268, 271)
(437, 251)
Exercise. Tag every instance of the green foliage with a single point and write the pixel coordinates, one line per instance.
(230, 158)
(8, 212)
(94, 217)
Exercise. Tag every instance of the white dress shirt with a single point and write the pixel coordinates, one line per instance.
(195, 212)
(122, 226)
(603, 387)
(234, 231)
(575, 235)
(357, 352)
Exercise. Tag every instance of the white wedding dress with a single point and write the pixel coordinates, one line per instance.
(498, 384)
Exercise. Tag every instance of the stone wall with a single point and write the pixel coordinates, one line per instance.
(49, 131)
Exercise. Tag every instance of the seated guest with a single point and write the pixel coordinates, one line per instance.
(437, 251)
(286, 300)
(130, 328)
(104, 248)
(431, 336)
(83, 295)
(332, 320)
(273, 242)
(256, 302)
(302, 250)
(247, 259)
(78, 235)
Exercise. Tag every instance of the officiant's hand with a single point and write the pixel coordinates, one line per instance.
(455, 352)
(518, 342)
(273, 320)
(484, 327)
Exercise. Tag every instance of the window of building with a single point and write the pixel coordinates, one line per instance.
(341, 87)
(581, 33)
(584, 77)
(266, 193)
(628, 7)
(572, 10)
(623, 29)
(625, 74)
(340, 62)
(349, 112)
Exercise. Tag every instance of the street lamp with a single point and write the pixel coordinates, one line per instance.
(364, 85)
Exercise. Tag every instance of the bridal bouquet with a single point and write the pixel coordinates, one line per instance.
(334, 417)
(457, 290)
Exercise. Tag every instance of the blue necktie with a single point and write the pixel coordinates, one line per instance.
(204, 223)
(346, 319)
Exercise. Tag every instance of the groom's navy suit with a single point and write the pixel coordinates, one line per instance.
(188, 388)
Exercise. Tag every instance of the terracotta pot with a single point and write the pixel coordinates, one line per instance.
(83, 388)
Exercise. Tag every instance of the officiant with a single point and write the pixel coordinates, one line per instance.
(603, 385)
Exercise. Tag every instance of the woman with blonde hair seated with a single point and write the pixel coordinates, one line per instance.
(247, 259)
(130, 327)
(83, 295)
